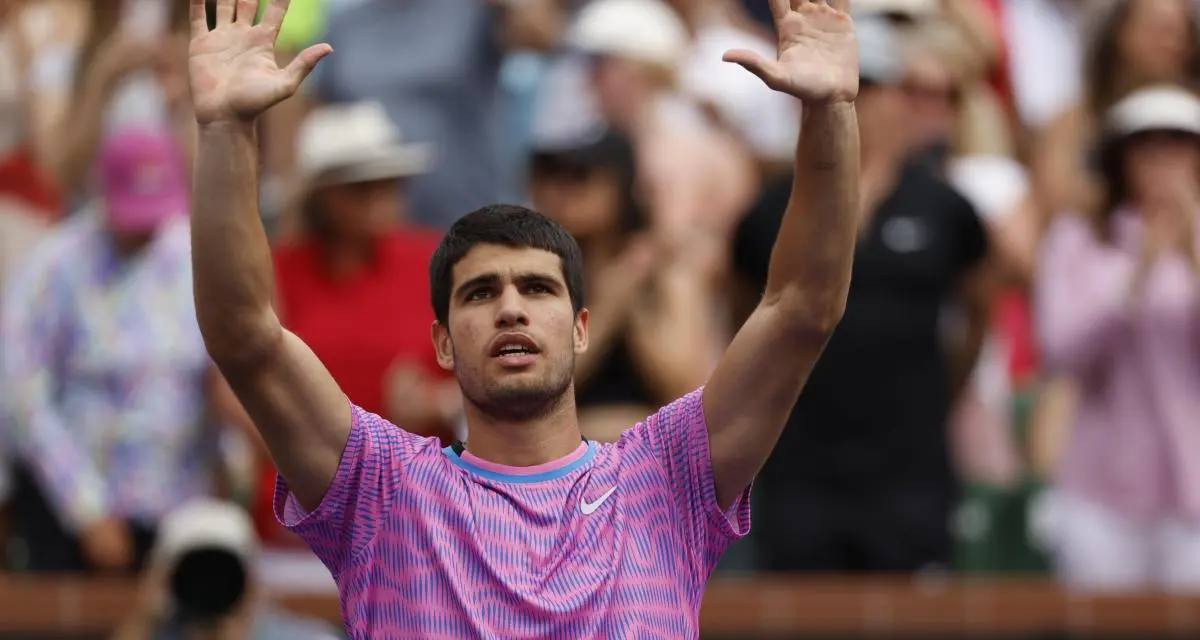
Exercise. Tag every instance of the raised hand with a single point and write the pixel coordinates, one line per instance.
(818, 52)
(232, 68)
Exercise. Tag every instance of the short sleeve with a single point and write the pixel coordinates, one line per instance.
(972, 241)
(370, 473)
(678, 437)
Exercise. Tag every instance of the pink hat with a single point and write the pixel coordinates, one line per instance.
(142, 180)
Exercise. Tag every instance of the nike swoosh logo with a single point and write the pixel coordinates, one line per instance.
(588, 508)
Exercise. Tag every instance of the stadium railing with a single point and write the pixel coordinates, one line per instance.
(739, 607)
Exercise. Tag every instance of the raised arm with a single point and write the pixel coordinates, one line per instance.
(756, 383)
(294, 402)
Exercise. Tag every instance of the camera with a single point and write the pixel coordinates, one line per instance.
(206, 549)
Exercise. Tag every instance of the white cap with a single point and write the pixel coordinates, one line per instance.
(206, 524)
(566, 115)
(907, 8)
(643, 30)
(359, 142)
(1158, 108)
(880, 54)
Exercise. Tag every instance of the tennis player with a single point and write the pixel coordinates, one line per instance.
(526, 530)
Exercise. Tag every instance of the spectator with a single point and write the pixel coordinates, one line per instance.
(128, 72)
(25, 188)
(861, 479)
(203, 582)
(649, 339)
(106, 368)
(1135, 44)
(766, 122)
(695, 177)
(1046, 50)
(435, 66)
(1117, 300)
(354, 282)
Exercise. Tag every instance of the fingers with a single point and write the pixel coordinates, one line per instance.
(199, 18)
(754, 63)
(840, 5)
(246, 11)
(273, 16)
(224, 12)
(780, 8)
(304, 63)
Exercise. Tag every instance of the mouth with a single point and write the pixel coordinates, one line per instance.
(514, 349)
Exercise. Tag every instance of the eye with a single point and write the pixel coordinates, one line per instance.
(537, 289)
(481, 293)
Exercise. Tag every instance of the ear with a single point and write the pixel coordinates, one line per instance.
(581, 332)
(442, 345)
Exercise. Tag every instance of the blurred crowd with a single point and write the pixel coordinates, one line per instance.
(1015, 386)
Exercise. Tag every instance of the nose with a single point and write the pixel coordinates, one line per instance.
(510, 310)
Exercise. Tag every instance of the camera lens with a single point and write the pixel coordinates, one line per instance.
(208, 583)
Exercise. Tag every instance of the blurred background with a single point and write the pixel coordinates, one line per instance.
(1001, 440)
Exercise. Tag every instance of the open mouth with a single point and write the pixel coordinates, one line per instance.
(514, 345)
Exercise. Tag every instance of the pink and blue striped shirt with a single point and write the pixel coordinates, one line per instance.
(613, 541)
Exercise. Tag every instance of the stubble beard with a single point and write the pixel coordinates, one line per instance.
(520, 402)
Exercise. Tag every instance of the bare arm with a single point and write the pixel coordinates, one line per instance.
(975, 294)
(674, 339)
(298, 408)
(756, 383)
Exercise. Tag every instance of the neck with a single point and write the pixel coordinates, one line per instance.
(347, 256)
(642, 118)
(525, 443)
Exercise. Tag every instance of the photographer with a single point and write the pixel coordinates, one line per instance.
(200, 584)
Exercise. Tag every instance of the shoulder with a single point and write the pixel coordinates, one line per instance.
(388, 436)
(77, 236)
(937, 195)
(673, 422)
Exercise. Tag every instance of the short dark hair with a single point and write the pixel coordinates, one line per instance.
(510, 226)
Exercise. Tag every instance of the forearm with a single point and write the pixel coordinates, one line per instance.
(231, 256)
(965, 355)
(1084, 295)
(811, 262)
(81, 126)
(65, 471)
(675, 345)
(603, 324)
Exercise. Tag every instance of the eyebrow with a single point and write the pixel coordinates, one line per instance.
(492, 278)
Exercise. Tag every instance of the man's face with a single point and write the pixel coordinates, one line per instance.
(882, 112)
(512, 334)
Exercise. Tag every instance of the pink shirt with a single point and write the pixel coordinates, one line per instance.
(612, 541)
(1135, 446)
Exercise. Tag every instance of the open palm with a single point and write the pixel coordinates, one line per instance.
(232, 68)
(818, 51)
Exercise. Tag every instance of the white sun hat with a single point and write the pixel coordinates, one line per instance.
(206, 524)
(1157, 108)
(911, 9)
(356, 143)
(643, 30)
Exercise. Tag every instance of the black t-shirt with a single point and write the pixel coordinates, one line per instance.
(876, 406)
